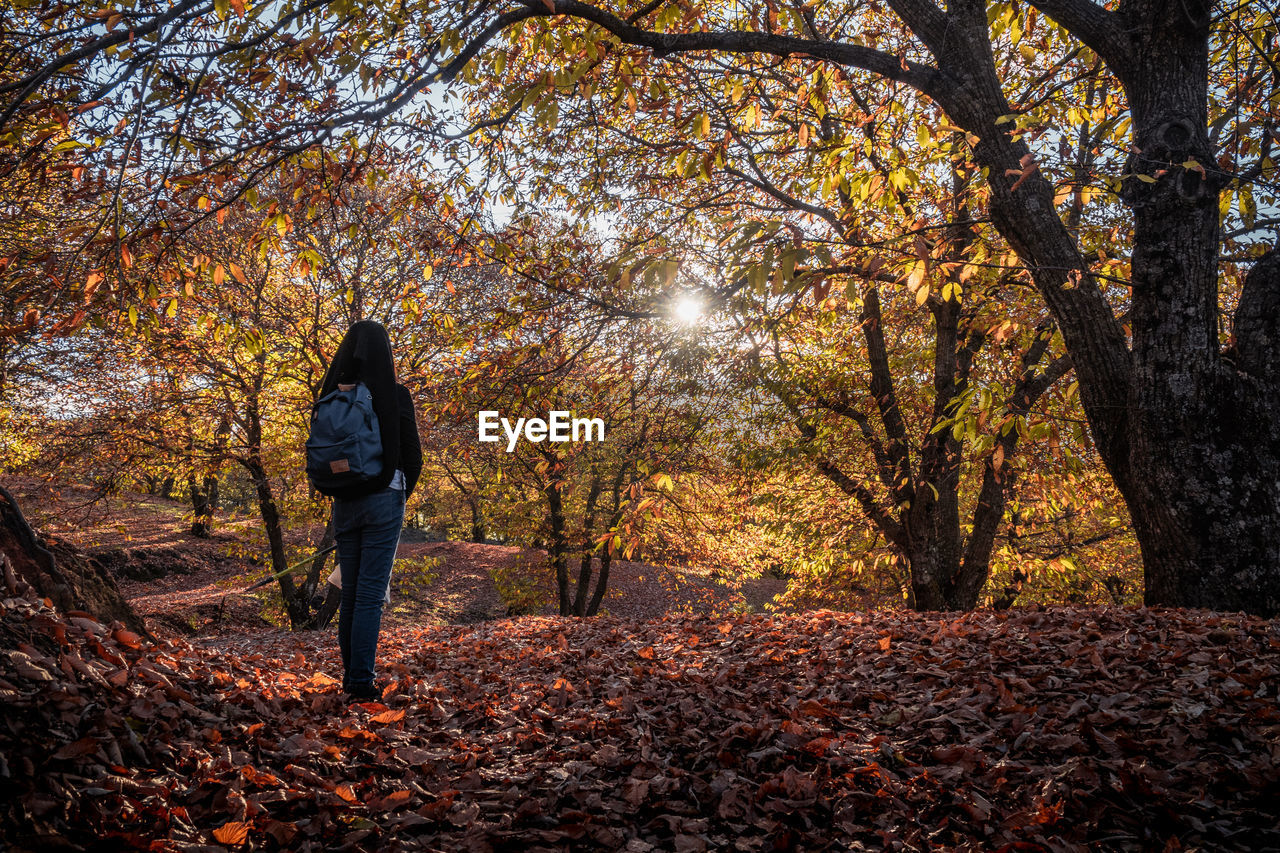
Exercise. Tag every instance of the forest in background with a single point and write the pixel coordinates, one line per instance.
(824, 327)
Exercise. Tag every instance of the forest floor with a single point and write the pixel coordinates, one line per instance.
(189, 585)
(1059, 729)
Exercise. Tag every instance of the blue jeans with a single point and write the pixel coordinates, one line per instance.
(367, 530)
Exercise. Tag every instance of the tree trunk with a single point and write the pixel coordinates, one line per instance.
(323, 615)
(70, 578)
(201, 504)
(1204, 490)
(581, 593)
(295, 606)
(1191, 438)
(559, 544)
(318, 618)
(328, 608)
(477, 519)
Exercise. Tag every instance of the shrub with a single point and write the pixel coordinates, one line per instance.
(524, 586)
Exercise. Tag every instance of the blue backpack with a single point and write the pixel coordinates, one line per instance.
(344, 447)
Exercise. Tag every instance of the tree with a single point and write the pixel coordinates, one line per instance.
(1155, 381)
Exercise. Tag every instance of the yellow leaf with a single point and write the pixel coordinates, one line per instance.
(916, 278)
(702, 126)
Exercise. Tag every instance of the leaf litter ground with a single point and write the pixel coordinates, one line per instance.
(1060, 729)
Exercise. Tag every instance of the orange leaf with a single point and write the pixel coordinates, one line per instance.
(232, 833)
(388, 717)
(394, 800)
(238, 273)
(127, 639)
(345, 792)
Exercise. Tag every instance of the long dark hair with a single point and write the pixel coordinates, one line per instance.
(365, 356)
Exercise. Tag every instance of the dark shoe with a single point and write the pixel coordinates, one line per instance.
(364, 692)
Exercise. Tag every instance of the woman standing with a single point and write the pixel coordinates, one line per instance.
(367, 517)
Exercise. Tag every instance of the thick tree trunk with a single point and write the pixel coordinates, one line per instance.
(1207, 511)
(1204, 493)
(1191, 439)
(71, 579)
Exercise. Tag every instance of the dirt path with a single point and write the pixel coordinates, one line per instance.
(186, 585)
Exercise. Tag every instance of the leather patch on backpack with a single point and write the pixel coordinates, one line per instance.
(339, 466)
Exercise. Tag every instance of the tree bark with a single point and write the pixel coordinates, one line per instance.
(202, 495)
(68, 577)
(602, 583)
(477, 519)
(559, 544)
(582, 592)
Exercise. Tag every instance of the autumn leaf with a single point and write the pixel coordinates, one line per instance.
(391, 801)
(127, 638)
(232, 833)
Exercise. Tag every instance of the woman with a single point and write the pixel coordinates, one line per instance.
(367, 517)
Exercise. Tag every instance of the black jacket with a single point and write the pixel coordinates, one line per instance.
(410, 445)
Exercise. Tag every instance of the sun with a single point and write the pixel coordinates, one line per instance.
(687, 310)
